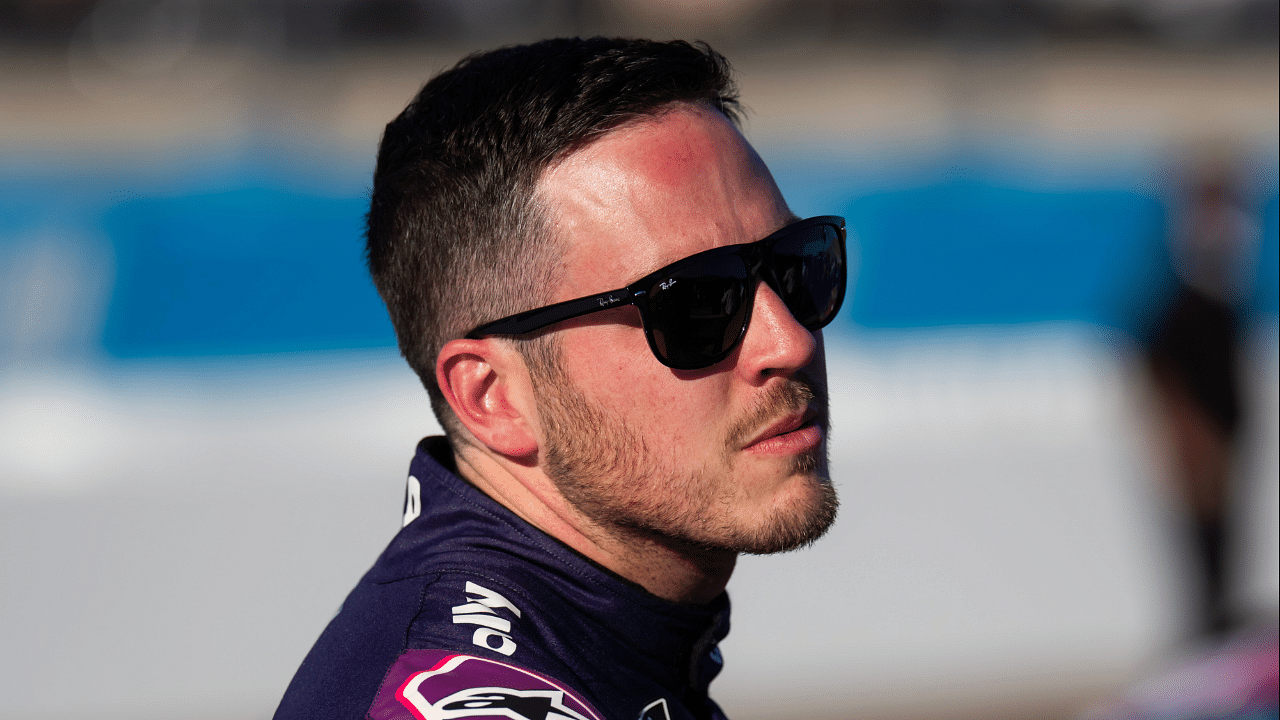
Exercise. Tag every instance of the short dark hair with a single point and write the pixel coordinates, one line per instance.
(455, 236)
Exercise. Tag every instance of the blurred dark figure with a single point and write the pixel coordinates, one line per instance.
(1193, 354)
(1230, 670)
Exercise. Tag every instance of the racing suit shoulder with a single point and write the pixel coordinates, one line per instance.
(468, 596)
(344, 669)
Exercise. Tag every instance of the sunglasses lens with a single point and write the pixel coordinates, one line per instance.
(808, 267)
(697, 312)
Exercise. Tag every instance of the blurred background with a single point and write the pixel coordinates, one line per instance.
(205, 426)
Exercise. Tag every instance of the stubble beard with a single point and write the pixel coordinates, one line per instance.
(611, 475)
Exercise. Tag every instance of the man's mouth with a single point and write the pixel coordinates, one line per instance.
(791, 434)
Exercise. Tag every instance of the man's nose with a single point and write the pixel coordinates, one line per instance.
(775, 343)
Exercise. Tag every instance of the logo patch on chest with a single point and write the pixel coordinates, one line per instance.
(440, 685)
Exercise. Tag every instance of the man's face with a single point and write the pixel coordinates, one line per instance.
(730, 457)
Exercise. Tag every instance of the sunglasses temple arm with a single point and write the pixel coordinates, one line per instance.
(536, 319)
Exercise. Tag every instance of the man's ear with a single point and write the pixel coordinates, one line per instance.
(487, 384)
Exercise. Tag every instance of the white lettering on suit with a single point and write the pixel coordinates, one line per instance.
(481, 609)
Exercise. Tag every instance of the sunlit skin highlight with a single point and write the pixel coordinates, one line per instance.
(661, 475)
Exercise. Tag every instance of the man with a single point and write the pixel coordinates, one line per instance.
(618, 322)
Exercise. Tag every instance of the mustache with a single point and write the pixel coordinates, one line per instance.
(795, 394)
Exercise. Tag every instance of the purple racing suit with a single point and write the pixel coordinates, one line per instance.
(471, 612)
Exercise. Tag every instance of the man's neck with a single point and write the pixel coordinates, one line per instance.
(667, 569)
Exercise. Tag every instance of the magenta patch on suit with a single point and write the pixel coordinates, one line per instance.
(445, 685)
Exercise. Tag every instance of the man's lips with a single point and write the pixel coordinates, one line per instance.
(795, 432)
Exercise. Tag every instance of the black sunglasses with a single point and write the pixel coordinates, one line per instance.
(696, 310)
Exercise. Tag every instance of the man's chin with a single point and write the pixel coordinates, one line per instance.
(796, 527)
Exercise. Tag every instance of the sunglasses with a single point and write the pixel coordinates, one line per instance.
(695, 311)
